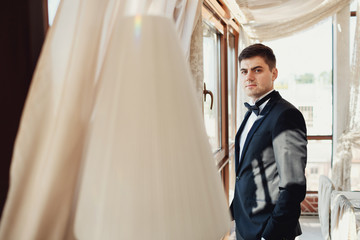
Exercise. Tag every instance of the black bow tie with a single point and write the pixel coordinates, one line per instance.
(256, 108)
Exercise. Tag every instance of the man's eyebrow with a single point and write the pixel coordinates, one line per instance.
(254, 68)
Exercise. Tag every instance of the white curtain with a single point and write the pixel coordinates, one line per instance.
(73, 119)
(350, 139)
(324, 205)
(184, 13)
(343, 219)
(196, 57)
(273, 19)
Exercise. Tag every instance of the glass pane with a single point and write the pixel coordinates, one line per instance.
(52, 8)
(304, 62)
(232, 64)
(319, 162)
(353, 6)
(212, 117)
(232, 177)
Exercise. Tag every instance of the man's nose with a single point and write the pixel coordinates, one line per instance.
(250, 76)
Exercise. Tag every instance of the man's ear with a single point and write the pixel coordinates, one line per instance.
(274, 73)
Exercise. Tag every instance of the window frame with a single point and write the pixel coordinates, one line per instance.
(216, 13)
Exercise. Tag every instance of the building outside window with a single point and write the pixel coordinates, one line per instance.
(308, 113)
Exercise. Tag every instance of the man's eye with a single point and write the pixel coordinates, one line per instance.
(243, 72)
(258, 70)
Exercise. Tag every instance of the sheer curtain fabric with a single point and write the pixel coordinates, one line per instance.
(350, 139)
(262, 21)
(324, 200)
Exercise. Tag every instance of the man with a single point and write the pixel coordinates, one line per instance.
(270, 155)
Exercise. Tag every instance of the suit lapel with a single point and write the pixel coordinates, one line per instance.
(247, 115)
(237, 137)
(264, 113)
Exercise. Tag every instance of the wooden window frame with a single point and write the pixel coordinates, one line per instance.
(216, 13)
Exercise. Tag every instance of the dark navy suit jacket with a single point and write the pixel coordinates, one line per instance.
(270, 178)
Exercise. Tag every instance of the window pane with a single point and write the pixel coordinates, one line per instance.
(52, 8)
(304, 62)
(212, 117)
(231, 87)
(353, 6)
(232, 176)
(319, 162)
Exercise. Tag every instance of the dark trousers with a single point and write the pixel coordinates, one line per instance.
(238, 237)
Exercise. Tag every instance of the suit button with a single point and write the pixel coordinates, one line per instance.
(237, 178)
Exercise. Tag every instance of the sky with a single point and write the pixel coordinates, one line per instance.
(307, 51)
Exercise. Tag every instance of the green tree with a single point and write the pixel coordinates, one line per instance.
(305, 78)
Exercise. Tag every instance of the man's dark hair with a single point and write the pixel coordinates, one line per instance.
(259, 50)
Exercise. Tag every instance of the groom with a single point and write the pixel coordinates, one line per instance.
(270, 155)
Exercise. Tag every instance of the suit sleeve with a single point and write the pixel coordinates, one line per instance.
(289, 143)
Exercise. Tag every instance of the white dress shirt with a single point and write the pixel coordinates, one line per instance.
(250, 122)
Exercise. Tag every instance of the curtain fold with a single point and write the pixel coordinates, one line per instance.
(183, 12)
(148, 167)
(324, 205)
(49, 143)
(343, 220)
(196, 57)
(262, 21)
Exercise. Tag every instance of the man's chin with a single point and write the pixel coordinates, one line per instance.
(251, 94)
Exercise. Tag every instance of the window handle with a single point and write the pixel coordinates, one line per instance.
(205, 91)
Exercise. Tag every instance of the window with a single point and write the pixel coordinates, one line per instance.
(220, 37)
(52, 8)
(232, 64)
(307, 112)
(304, 62)
(232, 76)
(212, 77)
(314, 170)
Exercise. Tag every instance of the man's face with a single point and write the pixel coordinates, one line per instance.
(256, 77)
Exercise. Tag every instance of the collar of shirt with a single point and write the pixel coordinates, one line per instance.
(261, 107)
(251, 102)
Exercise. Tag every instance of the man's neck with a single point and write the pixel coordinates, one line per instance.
(254, 100)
